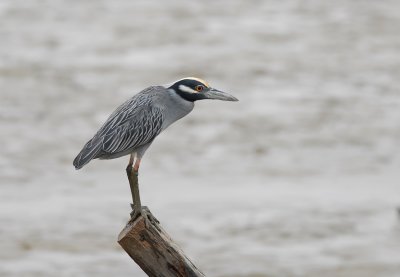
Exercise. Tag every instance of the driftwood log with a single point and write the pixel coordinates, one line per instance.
(153, 250)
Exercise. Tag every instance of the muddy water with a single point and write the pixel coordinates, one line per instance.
(299, 178)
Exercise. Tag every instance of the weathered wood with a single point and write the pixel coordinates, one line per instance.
(153, 250)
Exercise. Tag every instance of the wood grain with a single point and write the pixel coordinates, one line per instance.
(147, 243)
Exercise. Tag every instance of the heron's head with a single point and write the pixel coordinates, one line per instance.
(192, 89)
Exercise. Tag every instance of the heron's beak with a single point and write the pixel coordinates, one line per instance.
(213, 93)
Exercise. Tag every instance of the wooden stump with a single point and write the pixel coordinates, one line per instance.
(153, 250)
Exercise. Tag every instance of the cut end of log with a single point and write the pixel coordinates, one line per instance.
(153, 249)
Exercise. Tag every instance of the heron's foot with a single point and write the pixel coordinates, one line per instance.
(135, 213)
(144, 212)
(150, 216)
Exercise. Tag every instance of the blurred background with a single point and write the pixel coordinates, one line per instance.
(299, 178)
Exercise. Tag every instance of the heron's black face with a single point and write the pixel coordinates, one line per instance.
(192, 89)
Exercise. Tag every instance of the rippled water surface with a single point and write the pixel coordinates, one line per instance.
(299, 178)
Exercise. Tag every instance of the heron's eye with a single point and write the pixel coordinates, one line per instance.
(199, 88)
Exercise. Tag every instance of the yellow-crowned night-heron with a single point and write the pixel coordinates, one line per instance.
(134, 125)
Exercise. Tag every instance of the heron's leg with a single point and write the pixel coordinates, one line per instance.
(129, 172)
(137, 208)
(137, 205)
(129, 167)
(134, 185)
(137, 164)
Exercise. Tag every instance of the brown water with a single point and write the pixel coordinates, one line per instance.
(299, 178)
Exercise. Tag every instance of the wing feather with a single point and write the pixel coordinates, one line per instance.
(139, 130)
(133, 124)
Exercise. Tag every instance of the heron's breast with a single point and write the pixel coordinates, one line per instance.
(175, 108)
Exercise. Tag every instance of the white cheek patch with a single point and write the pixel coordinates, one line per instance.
(187, 89)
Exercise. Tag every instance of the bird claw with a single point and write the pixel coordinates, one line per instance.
(150, 216)
(135, 213)
(144, 212)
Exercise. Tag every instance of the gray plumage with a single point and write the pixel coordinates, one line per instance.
(132, 127)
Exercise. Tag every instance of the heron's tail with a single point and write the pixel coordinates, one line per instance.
(90, 151)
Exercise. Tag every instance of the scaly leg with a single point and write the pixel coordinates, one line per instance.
(134, 185)
(137, 209)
